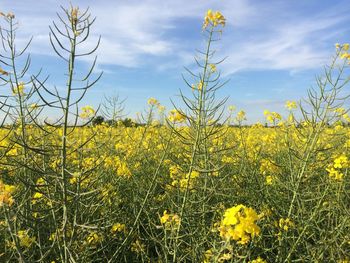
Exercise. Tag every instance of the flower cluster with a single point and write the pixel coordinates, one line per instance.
(290, 105)
(343, 51)
(152, 102)
(239, 224)
(176, 116)
(118, 227)
(19, 90)
(24, 239)
(335, 169)
(258, 260)
(198, 86)
(6, 192)
(342, 113)
(93, 239)
(285, 224)
(214, 19)
(87, 112)
(169, 221)
(269, 170)
(182, 180)
(272, 117)
(241, 116)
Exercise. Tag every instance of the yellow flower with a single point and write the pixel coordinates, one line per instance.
(335, 174)
(341, 162)
(239, 224)
(241, 116)
(19, 89)
(334, 169)
(24, 239)
(118, 227)
(198, 86)
(6, 192)
(258, 260)
(214, 19)
(165, 217)
(33, 106)
(153, 102)
(93, 238)
(37, 195)
(87, 112)
(161, 108)
(169, 221)
(285, 223)
(269, 180)
(291, 105)
(40, 181)
(232, 108)
(212, 68)
(176, 116)
(272, 117)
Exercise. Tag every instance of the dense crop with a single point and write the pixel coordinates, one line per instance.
(193, 185)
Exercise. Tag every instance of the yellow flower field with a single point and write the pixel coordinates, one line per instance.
(192, 184)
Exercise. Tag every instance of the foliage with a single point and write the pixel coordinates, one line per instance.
(197, 185)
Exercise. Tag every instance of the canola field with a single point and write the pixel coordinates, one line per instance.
(194, 184)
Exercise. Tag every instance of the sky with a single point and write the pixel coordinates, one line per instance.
(273, 48)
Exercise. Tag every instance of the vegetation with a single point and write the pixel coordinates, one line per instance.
(194, 185)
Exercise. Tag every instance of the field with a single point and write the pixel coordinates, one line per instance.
(196, 184)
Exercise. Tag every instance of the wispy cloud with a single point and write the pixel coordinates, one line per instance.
(132, 31)
(295, 43)
(146, 33)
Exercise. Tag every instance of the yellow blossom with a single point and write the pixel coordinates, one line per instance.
(258, 260)
(169, 221)
(24, 239)
(87, 112)
(285, 223)
(214, 19)
(176, 116)
(239, 224)
(241, 116)
(153, 102)
(212, 68)
(93, 238)
(6, 192)
(291, 105)
(118, 227)
(37, 195)
(19, 89)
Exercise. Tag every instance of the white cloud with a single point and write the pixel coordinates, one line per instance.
(293, 44)
(136, 33)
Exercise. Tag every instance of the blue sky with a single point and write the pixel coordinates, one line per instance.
(274, 48)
